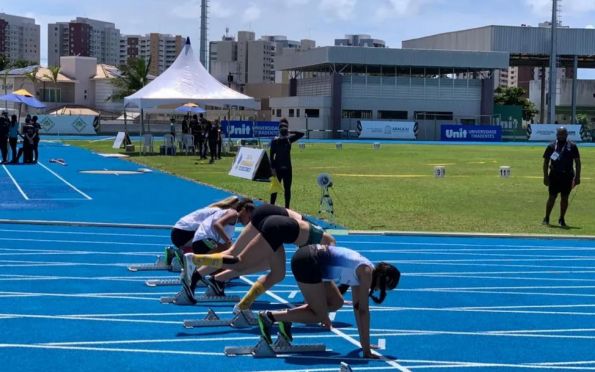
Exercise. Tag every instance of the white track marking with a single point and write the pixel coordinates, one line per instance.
(15, 182)
(44, 232)
(66, 182)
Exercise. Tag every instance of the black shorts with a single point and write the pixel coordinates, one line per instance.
(307, 264)
(203, 246)
(264, 211)
(560, 183)
(180, 237)
(277, 230)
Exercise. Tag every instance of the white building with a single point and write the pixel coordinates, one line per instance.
(161, 49)
(19, 38)
(361, 40)
(84, 37)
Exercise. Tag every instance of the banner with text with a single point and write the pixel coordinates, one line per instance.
(547, 132)
(380, 129)
(239, 129)
(66, 124)
(471, 133)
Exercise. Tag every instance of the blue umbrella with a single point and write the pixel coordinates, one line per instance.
(22, 97)
(191, 107)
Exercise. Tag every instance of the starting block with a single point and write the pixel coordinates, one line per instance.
(281, 346)
(162, 282)
(159, 265)
(345, 367)
(244, 318)
(172, 299)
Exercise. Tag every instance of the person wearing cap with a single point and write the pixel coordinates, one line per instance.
(4, 128)
(324, 273)
(280, 155)
(559, 175)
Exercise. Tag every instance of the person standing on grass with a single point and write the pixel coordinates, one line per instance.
(559, 175)
(280, 155)
(318, 269)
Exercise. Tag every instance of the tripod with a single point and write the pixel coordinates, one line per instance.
(326, 202)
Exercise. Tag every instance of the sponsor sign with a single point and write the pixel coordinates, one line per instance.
(547, 132)
(247, 162)
(66, 124)
(241, 129)
(386, 129)
(471, 133)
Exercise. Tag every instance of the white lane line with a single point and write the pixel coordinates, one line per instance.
(42, 346)
(292, 294)
(15, 182)
(82, 233)
(66, 182)
(382, 343)
(336, 331)
(500, 272)
(458, 245)
(80, 242)
(503, 278)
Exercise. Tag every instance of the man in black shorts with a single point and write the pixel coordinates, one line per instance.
(559, 174)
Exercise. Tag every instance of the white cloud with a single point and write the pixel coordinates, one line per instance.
(218, 10)
(251, 13)
(401, 8)
(342, 9)
(590, 26)
(543, 8)
(291, 3)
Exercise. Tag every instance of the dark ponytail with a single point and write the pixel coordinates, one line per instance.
(385, 276)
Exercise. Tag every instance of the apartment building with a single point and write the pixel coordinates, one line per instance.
(162, 49)
(360, 40)
(84, 37)
(19, 38)
(248, 60)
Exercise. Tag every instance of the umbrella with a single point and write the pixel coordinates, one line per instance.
(21, 96)
(191, 107)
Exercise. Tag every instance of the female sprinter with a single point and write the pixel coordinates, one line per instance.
(317, 268)
(260, 246)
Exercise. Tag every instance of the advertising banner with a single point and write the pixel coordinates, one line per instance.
(470, 133)
(387, 129)
(547, 132)
(241, 129)
(66, 124)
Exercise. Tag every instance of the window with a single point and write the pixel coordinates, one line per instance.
(278, 113)
(428, 115)
(297, 113)
(357, 114)
(312, 113)
(291, 113)
(384, 114)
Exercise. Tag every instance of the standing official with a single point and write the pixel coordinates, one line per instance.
(559, 174)
(280, 155)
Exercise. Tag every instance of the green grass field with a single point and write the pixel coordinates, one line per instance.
(394, 188)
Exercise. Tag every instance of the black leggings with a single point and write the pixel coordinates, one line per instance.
(180, 237)
(284, 175)
(277, 230)
(307, 264)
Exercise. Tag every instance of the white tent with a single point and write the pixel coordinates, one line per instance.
(186, 80)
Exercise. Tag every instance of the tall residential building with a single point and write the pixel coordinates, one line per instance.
(360, 41)
(161, 49)
(248, 60)
(84, 37)
(19, 38)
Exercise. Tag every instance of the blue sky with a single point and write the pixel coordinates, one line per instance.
(320, 20)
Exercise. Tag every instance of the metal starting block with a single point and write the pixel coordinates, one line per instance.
(345, 367)
(162, 282)
(172, 299)
(159, 265)
(281, 346)
(244, 318)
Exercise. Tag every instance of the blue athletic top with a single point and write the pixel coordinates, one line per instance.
(340, 264)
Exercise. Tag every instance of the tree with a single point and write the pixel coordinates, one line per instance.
(53, 76)
(4, 62)
(515, 96)
(32, 77)
(134, 75)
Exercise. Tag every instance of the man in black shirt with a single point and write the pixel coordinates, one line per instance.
(558, 159)
(4, 129)
(281, 158)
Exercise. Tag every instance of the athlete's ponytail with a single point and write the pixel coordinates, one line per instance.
(385, 276)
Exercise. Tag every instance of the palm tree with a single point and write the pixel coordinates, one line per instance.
(53, 76)
(134, 75)
(32, 77)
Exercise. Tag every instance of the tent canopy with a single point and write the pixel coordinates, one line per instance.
(186, 80)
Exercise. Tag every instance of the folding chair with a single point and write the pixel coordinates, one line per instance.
(169, 144)
(147, 143)
(188, 143)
